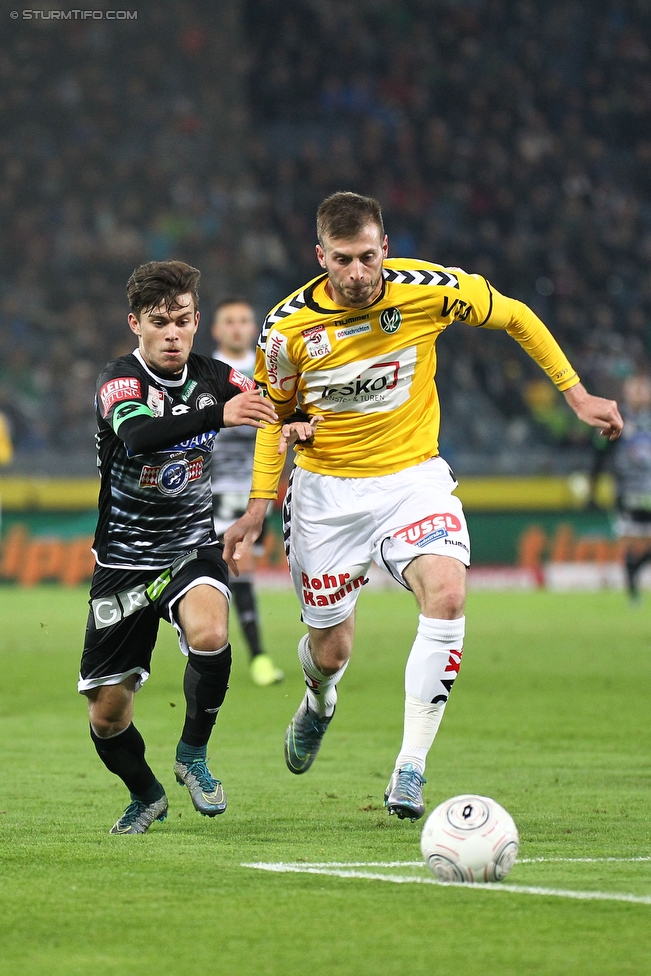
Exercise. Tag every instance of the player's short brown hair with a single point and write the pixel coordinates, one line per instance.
(160, 283)
(345, 215)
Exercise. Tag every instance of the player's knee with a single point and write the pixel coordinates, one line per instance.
(445, 601)
(209, 636)
(454, 600)
(109, 717)
(332, 653)
(104, 728)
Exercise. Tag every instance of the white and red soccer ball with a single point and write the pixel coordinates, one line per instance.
(470, 838)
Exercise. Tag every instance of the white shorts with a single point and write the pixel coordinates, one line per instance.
(334, 528)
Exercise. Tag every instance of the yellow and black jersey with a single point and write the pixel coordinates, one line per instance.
(369, 372)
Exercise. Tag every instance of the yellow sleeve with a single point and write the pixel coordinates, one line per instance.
(523, 325)
(267, 462)
(6, 447)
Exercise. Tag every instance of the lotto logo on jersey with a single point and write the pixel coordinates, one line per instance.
(436, 526)
(365, 386)
(122, 388)
(244, 382)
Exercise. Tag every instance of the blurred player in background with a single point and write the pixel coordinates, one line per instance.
(6, 448)
(158, 411)
(355, 348)
(235, 333)
(633, 476)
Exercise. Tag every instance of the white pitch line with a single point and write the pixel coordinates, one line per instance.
(581, 860)
(421, 863)
(339, 872)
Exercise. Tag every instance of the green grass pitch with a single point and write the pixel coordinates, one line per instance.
(550, 715)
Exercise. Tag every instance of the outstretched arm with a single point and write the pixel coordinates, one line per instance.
(535, 338)
(142, 432)
(595, 411)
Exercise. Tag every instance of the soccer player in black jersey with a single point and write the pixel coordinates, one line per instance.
(158, 412)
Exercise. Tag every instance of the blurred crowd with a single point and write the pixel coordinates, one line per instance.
(511, 139)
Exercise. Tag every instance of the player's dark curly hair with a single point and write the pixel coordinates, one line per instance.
(345, 215)
(160, 283)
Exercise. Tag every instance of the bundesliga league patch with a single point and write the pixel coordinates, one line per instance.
(156, 401)
(316, 341)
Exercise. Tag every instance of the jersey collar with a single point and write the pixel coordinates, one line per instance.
(172, 384)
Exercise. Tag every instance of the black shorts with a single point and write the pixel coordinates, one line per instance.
(126, 607)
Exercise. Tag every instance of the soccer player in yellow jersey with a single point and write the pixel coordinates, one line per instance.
(355, 349)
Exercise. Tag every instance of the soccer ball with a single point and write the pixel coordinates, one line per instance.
(470, 838)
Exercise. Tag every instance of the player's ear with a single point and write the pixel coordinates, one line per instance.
(134, 324)
(320, 255)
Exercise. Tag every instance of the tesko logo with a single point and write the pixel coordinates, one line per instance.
(390, 320)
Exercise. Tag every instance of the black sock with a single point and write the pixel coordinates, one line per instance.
(247, 611)
(204, 684)
(124, 755)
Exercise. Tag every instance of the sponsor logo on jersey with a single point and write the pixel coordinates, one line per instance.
(432, 537)
(172, 477)
(431, 525)
(338, 585)
(365, 386)
(460, 310)
(188, 390)
(455, 542)
(244, 382)
(279, 368)
(179, 409)
(156, 401)
(108, 610)
(122, 388)
(353, 330)
(205, 400)
(390, 320)
(349, 321)
(203, 442)
(316, 341)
